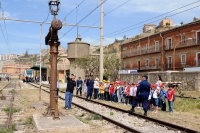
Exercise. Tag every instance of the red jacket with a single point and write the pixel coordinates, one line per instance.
(111, 89)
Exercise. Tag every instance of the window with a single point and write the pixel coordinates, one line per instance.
(131, 51)
(124, 52)
(156, 46)
(147, 48)
(183, 39)
(147, 63)
(169, 43)
(157, 64)
(169, 62)
(131, 64)
(183, 59)
(138, 50)
(124, 65)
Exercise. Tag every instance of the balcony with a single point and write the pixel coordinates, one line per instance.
(185, 43)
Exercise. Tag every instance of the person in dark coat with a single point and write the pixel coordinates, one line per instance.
(90, 87)
(71, 83)
(142, 95)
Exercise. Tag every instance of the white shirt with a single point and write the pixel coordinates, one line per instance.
(155, 93)
(158, 84)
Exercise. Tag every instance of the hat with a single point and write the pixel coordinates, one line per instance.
(162, 85)
(73, 75)
(145, 76)
(152, 85)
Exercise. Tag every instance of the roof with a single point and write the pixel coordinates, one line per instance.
(38, 68)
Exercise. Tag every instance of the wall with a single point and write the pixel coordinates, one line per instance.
(190, 80)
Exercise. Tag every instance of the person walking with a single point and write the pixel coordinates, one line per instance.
(79, 83)
(71, 83)
(90, 87)
(142, 95)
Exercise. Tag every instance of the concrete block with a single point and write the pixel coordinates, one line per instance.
(66, 124)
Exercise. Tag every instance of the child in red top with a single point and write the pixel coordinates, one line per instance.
(170, 94)
(111, 91)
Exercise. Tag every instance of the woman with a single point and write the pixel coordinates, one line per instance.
(96, 87)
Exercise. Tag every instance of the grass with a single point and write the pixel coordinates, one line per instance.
(93, 117)
(14, 110)
(29, 121)
(9, 130)
(12, 91)
(187, 105)
(111, 113)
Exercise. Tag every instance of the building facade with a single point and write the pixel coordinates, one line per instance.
(173, 49)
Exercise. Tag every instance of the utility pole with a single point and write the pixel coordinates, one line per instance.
(101, 70)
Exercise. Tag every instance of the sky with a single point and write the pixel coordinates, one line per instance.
(121, 17)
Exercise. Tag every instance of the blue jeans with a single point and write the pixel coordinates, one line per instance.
(171, 106)
(68, 99)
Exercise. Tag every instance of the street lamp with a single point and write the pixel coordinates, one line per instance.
(174, 52)
(54, 7)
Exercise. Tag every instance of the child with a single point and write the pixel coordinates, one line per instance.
(102, 87)
(162, 97)
(111, 91)
(155, 98)
(170, 95)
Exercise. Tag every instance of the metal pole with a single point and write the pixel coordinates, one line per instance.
(101, 71)
(40, 60)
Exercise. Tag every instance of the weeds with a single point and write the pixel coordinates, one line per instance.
(111, 113)
(93, 117)
(29, 121)
(12, 91)
(14, 110)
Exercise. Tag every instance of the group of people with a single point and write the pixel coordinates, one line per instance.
(141, 92)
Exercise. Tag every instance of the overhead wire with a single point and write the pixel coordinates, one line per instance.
(74, 9)
(84, 17)
(6, 38)
(105, 15)
(110, 34)
(154, 17)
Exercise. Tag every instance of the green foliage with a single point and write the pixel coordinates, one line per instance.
(12, 91)
(29, 121)
(187, 105)
(26, 53)
(195, 19)
(14, 110)
(181, 23)
(111, 113)
(5, 130)
(112, 64)
(88, 63)
(93, 117)
(167, 24)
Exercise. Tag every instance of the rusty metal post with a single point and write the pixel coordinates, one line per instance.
(53, 86)
(52, 40)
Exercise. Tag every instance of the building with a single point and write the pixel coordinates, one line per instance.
(174, 49)
(149, 28)
(15, 70)
(166, 23)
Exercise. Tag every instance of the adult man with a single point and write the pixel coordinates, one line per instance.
(71, 83)
(142, 95)
(90, 87)
(79, 83)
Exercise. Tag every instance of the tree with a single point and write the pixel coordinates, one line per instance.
(26, 53)
(112, 64)
(195, 19)
(181, 23)
(167, 24)
(89, 63)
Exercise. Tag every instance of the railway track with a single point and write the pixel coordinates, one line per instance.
(132, 122)
(6, 103)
